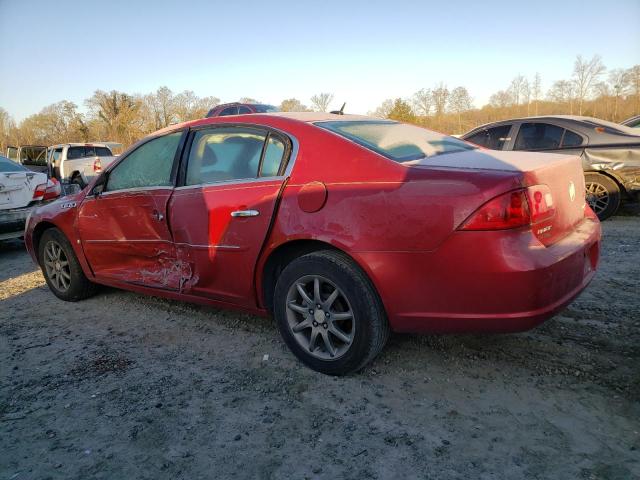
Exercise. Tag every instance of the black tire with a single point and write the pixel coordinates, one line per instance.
(370, 328)
(78, 286)
(603, 194)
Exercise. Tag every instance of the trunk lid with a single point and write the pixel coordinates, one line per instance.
(17, 188)
(562, 174)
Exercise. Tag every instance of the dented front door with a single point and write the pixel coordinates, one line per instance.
(125, 237)
(123, 229)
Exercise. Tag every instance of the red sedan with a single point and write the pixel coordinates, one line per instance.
(341, 227)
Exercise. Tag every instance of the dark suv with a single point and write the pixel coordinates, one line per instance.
(237, 108)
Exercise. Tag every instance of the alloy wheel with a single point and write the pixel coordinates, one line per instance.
(320, 317)
(597, 197)
(56, 265)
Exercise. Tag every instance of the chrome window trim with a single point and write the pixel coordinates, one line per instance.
(233, 182)
(134, 189)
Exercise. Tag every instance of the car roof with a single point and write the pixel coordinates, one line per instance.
(85, 144)
(568, 121)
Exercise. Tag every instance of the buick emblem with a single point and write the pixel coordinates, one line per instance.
(572, 191)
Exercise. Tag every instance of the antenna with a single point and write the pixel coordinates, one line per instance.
(341, 111)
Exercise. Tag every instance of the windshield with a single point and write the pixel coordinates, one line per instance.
(265, 108)
(7, 165)
(397, 141)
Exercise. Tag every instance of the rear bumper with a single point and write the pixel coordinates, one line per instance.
(12, 222)
(502, 281)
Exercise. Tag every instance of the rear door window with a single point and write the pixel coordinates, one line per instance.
(273, 155)
(229, 111)
(538, 136)
(222, 154)
(493, 138)
(571, 139)
(242, 110)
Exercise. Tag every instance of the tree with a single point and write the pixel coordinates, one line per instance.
(440, 94)
(7, 130)
(619, 81)
(634, 83)
(116, 115)
(383, 110)
(517, 89)
(501, 99)
(459, 102)
(402, 111)
(585, 75)
(293, 105)
(423, 102)
(248, 100)
(536, 91)
(562, 91)
(321, 101)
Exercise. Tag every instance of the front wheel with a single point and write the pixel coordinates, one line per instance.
(329, 314)
(61, 268)
(603, 194)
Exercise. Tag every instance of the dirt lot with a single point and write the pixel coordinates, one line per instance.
(124, 386)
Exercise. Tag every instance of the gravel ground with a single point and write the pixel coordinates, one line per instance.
(123, 386)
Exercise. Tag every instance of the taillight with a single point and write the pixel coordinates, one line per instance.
(38, 193)
(53, 189)
(513, 209)
(540, 203)
(97, 166)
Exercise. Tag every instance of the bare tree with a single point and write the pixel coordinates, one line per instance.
(517, 88)
(585, 75)
(536, 91)
(383, 110)
(321, 101)
(501, 99)
(248, 100)
(7, 129)
(440, 95)
(423, 102)
(562, 91)
(619, 81)
(634, 83)
(459, 102)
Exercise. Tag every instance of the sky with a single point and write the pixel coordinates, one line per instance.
(361, 51)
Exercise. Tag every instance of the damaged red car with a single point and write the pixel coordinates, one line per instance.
(342, 227)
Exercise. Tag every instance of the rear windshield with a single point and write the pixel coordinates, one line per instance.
(7, 165)
(87, 151)
(397, 141)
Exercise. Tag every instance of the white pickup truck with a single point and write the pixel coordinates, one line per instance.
(78, 162)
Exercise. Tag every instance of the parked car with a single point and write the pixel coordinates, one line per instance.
(610, 152)
(20, 190)
(342, 227)
(237, 108)
(633, 122)
(33, 157)
(78, 162)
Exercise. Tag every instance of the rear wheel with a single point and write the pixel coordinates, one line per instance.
(329, 314)
(61, 268)
(603, 194)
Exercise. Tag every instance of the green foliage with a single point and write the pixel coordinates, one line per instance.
(401, 111)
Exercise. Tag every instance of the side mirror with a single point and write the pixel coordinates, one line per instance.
(98, 189)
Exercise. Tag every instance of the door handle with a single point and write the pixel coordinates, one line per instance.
(245, 213)
(157, 215)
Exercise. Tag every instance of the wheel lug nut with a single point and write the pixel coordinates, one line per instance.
(315, 324)
(311, 311)
(318, 307)
(325, 325)
(326, 314)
